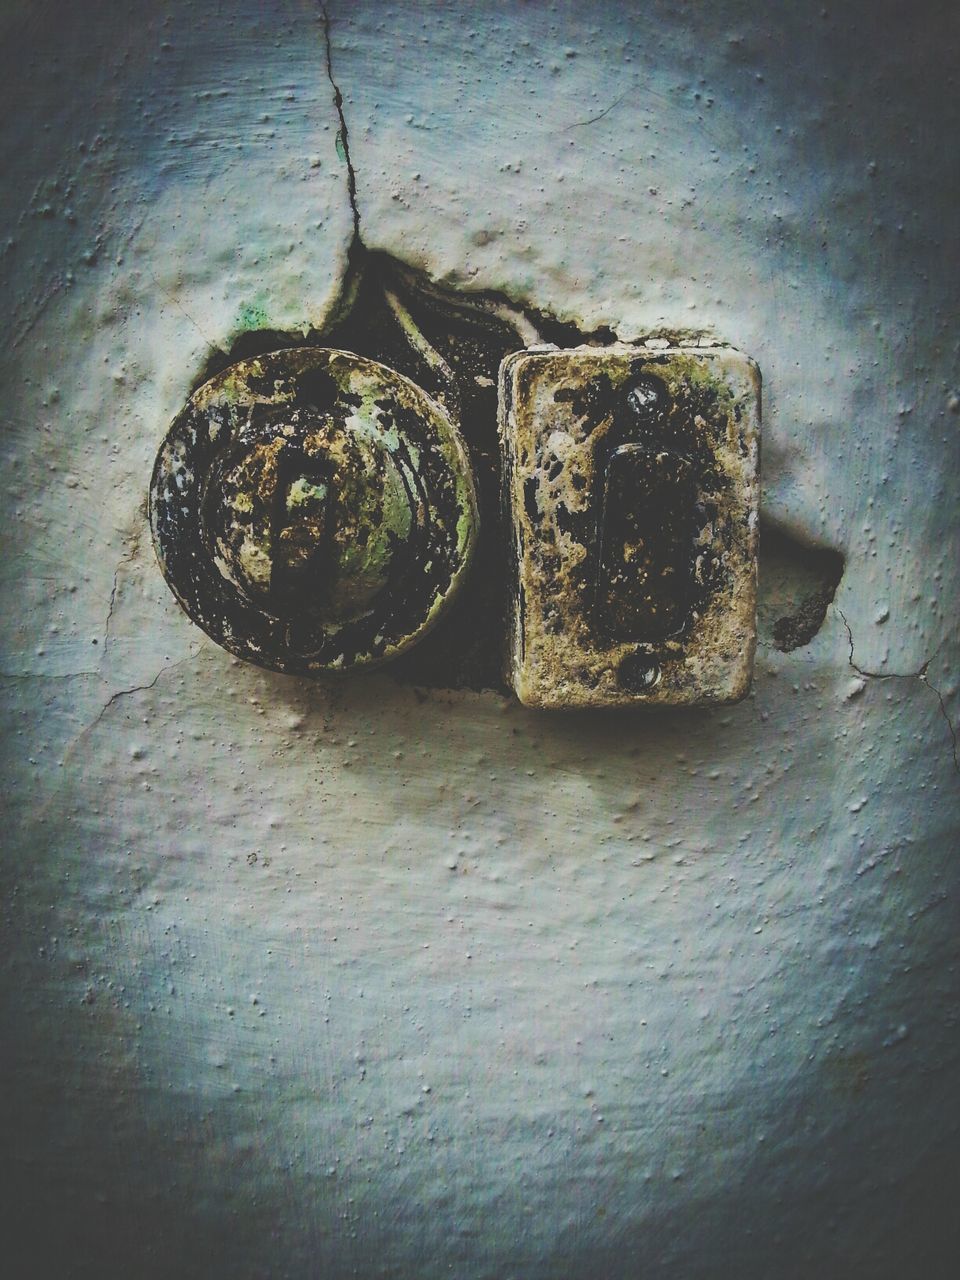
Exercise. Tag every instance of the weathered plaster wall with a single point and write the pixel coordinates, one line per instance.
(365, 981)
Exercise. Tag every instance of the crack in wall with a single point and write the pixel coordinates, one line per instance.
(118, 694)
(920, 674)
(946, 717)
(132, 548)
(73, 745)
(175, 302)
(343, 134)
(580, 124)
(136, 688)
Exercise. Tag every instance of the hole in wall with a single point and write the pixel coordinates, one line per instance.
(797, 582)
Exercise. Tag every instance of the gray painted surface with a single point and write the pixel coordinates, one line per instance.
(360, 981)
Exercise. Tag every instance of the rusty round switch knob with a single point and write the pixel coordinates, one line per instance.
(313, 510)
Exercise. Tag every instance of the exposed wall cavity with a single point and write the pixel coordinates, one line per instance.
(797, 584)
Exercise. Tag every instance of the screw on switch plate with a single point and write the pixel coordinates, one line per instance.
(631, 483)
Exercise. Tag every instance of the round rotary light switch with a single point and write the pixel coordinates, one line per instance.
(313, 510)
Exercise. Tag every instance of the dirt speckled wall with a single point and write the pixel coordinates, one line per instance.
(367, 980)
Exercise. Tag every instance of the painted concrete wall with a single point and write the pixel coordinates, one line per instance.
(369, 981)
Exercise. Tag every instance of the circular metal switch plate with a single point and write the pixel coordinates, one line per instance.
(313, 510)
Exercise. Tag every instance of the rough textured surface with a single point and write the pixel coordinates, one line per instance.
(371, 982)
(638, 584)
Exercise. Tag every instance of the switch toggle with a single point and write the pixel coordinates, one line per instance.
(643, 587)
(631, 487)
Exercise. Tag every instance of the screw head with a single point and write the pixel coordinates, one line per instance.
(313, 510)
(648, 400)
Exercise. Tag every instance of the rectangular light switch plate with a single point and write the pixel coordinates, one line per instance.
(631, 480)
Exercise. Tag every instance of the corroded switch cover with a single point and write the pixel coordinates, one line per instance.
(631, 483)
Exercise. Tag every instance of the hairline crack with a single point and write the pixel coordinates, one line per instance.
(343, 134)
(920, 674)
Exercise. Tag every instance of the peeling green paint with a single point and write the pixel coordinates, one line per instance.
(252, 315)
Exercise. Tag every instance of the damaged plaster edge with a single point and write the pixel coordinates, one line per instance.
(275, 333)
(301, 323)
(521, 310)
